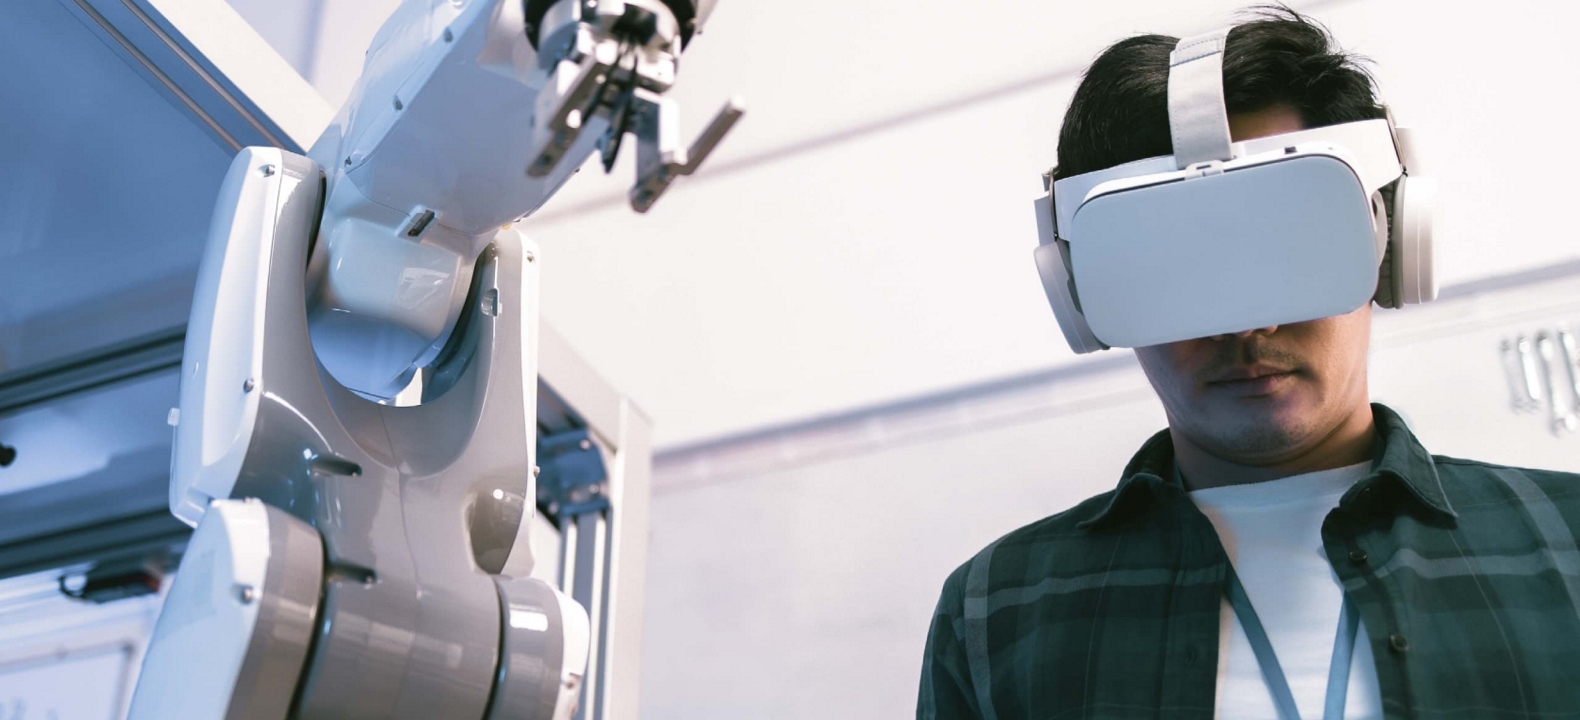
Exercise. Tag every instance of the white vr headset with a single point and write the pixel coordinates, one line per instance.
(1225, 237)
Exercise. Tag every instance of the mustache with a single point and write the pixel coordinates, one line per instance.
(1256, 350)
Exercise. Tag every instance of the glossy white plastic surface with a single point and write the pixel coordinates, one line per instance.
(415, 506)
(1367, 144)
(441, 122)
(379, 300)
(1281, 242)
(222, 350)
(1154, 307)
(545, 638)
(521, 559)
(1415, 259)
(233, 634)
(578, 639)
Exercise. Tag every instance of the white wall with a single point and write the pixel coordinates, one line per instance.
(805, 592)
(864, 235)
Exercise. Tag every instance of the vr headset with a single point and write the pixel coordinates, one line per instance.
(1224, 237)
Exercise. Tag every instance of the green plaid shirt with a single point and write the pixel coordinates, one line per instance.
(1466, 576)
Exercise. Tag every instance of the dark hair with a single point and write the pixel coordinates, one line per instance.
(1120, 110)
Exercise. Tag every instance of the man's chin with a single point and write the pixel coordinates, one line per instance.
(1263, 433)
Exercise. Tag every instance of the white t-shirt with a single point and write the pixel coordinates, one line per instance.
(1272, 532)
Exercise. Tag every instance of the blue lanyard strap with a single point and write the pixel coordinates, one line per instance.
(1273, 674)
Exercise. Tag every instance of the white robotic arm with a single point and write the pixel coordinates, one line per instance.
(469, 116)
(354, 558)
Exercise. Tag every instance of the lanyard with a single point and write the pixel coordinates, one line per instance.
(1338, 669)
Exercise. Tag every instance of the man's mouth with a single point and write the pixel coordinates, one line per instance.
(1246, 373)
(1248, 381)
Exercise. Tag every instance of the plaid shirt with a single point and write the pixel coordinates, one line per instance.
(1466, 576)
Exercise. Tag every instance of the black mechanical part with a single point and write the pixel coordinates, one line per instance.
(571, 476)
(609, 144)
(7, 455)
(619, 119)
(685, 15)
(114, 580)
(637, 25)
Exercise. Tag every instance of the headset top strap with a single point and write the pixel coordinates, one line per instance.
(1198, 120)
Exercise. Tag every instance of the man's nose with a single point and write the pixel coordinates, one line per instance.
(1244, 334)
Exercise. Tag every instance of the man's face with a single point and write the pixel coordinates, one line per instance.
(1263, 396)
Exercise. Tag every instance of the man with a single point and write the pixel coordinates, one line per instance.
(1277, 480)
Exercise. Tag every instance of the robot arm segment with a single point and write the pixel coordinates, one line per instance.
(471, 115)
(327, 283)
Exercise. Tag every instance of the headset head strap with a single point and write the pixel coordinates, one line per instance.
(1198, 120)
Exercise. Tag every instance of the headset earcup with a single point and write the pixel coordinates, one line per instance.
(1410, 240)
(1052, 264)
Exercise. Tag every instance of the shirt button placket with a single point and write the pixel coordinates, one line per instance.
(1398, 644)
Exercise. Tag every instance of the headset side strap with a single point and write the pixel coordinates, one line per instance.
(1198, 120)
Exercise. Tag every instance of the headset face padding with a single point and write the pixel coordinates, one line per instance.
(1387, 276)
(1053, 266)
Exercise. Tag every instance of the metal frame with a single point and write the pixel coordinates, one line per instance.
(147, 533)
(137, 525)
(38, 384)
(48, 627)
(155, 38)
(603, 551)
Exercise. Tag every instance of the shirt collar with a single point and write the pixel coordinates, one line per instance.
(1147, 469)
(1402, 458)
(1399, 457)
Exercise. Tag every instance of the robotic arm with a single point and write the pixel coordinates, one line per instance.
(355, 557)
(470, 115)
